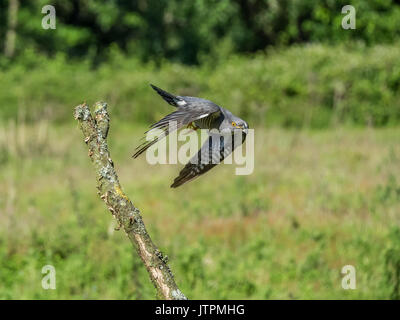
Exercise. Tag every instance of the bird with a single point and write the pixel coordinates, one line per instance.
(226, 132)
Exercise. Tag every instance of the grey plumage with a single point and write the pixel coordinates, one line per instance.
(202, 114)
(213, 151)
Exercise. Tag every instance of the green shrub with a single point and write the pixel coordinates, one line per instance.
(392, 264)
(314, 86)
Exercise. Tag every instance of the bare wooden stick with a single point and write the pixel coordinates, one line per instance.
(95, 131)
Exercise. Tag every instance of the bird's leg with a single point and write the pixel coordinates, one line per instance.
(192, 126)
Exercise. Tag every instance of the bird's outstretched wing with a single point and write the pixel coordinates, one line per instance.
(173, 100)
(189, 109)
(212, 152)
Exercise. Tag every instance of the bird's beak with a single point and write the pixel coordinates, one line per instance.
(245, 128)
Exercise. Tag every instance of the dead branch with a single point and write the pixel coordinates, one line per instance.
(95, 131)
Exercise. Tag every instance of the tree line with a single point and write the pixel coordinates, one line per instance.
(188, 31)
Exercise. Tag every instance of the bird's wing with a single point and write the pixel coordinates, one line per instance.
(212, 152)
(178, 119)
(172, 99)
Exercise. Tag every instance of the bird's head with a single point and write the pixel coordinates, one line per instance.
(239, 124)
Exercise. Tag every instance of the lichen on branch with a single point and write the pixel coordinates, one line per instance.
(95, 131)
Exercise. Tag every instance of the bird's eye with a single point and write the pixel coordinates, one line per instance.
(234, 124)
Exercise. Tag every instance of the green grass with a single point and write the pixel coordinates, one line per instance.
(318, 200)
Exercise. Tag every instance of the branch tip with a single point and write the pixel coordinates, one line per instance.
(100, 106)
(82, 112)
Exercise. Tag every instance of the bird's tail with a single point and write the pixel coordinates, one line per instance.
(170, 98)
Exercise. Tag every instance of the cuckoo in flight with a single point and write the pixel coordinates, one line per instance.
(226, 132)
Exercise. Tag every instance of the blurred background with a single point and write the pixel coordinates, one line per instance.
(324, 103)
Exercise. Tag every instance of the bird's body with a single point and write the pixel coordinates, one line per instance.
(203, 114)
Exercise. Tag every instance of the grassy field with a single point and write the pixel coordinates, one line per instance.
(317, 200)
